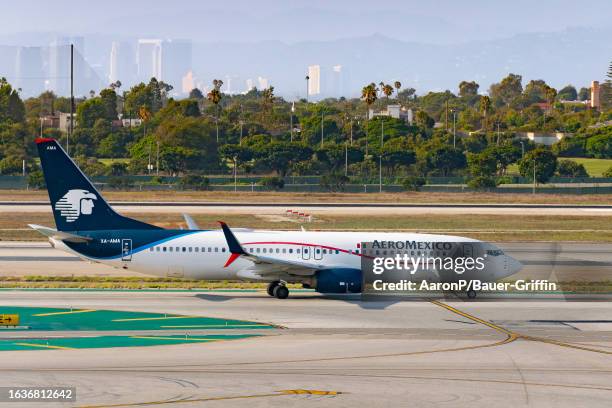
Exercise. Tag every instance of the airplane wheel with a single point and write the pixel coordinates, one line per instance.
(471, 294)
(271, 287)
(281, 292)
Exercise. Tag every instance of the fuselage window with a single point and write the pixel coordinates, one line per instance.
(298, 250)
(337, 252)
(284, 250)
(164, 249)
(318, 251)
(278, 250)
(258, 250)
(157, 249)
(151, 249)
(305, 250)
(264, 250)
(223, 249)
(209, 249)
(325, 251)
(184, 249)
(216, 249)
(291, 250)
(196, 249)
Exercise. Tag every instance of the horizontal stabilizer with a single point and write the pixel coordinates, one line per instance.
(191, 224)
(59, 235)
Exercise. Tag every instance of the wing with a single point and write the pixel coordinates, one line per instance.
(265, 265)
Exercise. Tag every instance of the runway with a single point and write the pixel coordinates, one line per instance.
(338, 352)
(325, 208)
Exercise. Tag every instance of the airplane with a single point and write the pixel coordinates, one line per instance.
(329, 262)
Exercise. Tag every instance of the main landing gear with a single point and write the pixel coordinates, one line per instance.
(278, 290)
(471, 294)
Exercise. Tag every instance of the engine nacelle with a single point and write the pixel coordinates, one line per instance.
(338, 280)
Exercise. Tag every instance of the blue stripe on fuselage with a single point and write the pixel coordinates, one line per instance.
(107, 245)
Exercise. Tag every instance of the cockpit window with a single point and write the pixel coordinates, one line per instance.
(495, 252)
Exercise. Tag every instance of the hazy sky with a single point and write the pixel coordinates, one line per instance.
(435, 21)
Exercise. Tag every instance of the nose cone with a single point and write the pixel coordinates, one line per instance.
(514, 265)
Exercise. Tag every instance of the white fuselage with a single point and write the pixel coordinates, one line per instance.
(203, 254)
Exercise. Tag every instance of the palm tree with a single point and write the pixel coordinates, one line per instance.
(215, 96)
(268, 98)
(485, 106)
(381, 84)
(397, 85)
(387, 90)
(369, 94)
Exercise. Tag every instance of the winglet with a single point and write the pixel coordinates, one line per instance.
(233, 244)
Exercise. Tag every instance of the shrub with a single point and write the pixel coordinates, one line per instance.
(194, 182)
(274, 183)
(413, 183)
(36, 180)
(482, 183)
(334, 182)
(608, 173)
(569, 168)
(119, 183)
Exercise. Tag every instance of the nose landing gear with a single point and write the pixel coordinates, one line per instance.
(278, 290)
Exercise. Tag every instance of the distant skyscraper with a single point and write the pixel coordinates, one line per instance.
(149, 59)
(29, 71)
(263, 82)
(176, 62)
(165, 60)
(85, 78)
(122, 63)
(314, 83)
(249, 84)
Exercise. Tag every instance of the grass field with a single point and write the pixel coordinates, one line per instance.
(306, 198)
(595, 167)
(490, 227)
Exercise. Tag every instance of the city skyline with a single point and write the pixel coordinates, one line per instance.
(424, 47)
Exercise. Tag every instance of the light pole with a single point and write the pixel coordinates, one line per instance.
(534, 174)
(498, 123)
(241, 123)
(291, 121)
(322, 113)
(454, 111)
(382, 135)
(307, 87)
(345, 159)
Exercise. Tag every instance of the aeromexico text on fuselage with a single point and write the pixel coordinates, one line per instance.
(328, 261)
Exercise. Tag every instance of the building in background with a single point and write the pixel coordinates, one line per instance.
(29, 73)
(314, 81)
(166, 60)
(148, 59)
(393, 111)
(122, 65)
(595, 95)
(58, 73)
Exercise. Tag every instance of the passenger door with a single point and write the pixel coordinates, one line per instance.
(126, 250)
(318, 253)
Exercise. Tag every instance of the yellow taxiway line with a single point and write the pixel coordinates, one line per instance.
(63, 313)
(213, 325)
(43, 346)
(178, 338)
(136, 319)
(236, 397)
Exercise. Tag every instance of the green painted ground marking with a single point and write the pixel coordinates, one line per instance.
(67, 343)
(38, 318)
